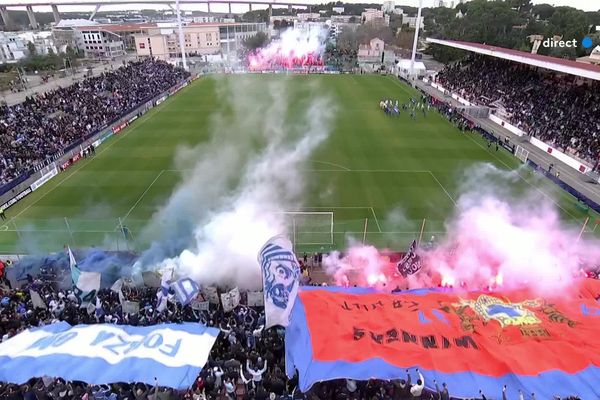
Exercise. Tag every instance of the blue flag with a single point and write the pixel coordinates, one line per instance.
(186, 290)
(107, 353)
(85, 284)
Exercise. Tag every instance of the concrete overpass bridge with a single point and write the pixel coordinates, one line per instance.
(54, 5)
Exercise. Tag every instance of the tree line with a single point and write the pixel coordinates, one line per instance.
(510, 24)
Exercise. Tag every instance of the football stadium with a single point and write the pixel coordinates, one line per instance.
(313, 210)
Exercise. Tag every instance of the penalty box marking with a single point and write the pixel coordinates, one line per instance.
(407, 171)
(88, 161)
(143, 194)
(318, 170)
(162, 171)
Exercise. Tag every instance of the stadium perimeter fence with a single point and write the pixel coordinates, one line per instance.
(27, 236)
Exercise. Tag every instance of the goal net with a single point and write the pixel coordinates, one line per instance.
(310, 228)
(522, 154)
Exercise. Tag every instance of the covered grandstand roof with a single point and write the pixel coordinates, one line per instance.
(552, 63)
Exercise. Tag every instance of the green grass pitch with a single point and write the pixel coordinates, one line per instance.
(374, 163)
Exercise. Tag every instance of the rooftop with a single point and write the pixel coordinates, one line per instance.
(565, 66)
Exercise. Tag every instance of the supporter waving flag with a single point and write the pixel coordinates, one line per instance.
(281, 274)
(186, 290)
(85, 284)
(163, 294)
(411, 262)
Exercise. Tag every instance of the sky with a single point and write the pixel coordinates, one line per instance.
(587, 5)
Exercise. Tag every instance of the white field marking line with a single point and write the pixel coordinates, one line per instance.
(402, 87)
(443, 188)
(334, 207)
(116, 229)
(83, 164)
(330, 163)
(523, 179)
(142, 196)
(406, 171)
(376, 220)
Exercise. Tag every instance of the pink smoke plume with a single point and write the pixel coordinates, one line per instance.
(490, 243)
(295, 48)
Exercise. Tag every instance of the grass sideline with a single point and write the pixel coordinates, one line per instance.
(392, 172)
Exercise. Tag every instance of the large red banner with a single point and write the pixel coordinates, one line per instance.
(489, 333)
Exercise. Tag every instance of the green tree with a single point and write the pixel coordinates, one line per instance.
(521, 5)
(569, 23)
(395, 23)
(347, 40)
(543, 11)
(256, 42)
(31, 48)
(368, 31)
(256, 16)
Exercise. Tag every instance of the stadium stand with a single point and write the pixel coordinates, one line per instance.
(43, 125)
(246, 362)
(563, 111)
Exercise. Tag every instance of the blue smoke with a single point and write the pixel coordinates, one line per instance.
(111, 264)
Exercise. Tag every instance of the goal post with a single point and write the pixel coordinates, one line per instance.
(522, 154)
(310, 228)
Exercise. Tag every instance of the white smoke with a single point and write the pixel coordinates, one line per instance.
(243, 179)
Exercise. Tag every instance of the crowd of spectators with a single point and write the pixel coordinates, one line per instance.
(563, 111)
(247, 362)
(47, 123)
(341, 60)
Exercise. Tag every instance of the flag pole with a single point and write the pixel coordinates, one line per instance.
(415, 42)
(294, 236)
(583, 228)
(365, 230)
(70, 232)
(421, 234)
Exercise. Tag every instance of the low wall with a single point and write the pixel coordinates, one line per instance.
(559, 155)
(579, 196)
(66, 158)
(571, 162)
(453, 95)
(506, 125)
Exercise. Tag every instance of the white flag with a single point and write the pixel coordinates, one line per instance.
(281, 274)
(211, 294)
(255, 299)
(130, 307)
(85, 284)
(117, 286)
(231, 299)
(163, 293)
(200, 305)
(36, 299)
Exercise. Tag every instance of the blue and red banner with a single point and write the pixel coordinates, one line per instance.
(470, 340)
